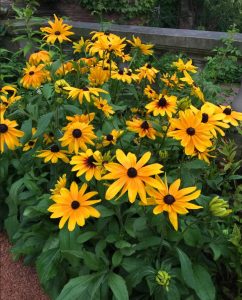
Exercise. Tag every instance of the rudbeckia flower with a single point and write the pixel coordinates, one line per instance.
(163, 105)
(230, 116)
(111, 138)
(48, 138)
(53, 154)
(88, 162)
(81, 118)
(188, 66)
(78, 46)
(125, 75)
(85, 93)
(65, 68)
(34, 76)
(31, 143)
(38, 57)
(131, 175)
(172, 80)
(60, 86)
(73, 205)
(103, 105)
(9, 134)
(61, 183)
(150, 93)
(142, 127)
(172, 199)
(144, 48)
(57, 31)
(77, 135)
(147, 71)
(98, 76)
(192, 133)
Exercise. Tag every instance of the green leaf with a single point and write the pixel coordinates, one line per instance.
(77, 287)
(148, 242)
(186, 268)
(43, 123)
(117, 258)
(27, 129)
(86, 236)
(204, 286)
(92, 261)
(47, 90)
(118, 286)
(47, 264)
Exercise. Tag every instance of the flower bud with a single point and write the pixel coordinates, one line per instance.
(163, 154)
(163, 278)
(60, 85)
(219, 207)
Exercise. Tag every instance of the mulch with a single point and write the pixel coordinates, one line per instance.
(17, 282)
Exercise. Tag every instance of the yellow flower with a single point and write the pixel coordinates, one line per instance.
(230, 116)
(60, 86)
(9, 134)
(48, 138)
(38, 57)
(124, 75)
(85, 93)
(204, 155)
(53, 154)
(163, 105)
(31, 143)
(194, 134)
(77, 135)
(103, 105)
(79, 45)
(172, 80)
(81, 118)
(88, 162)
(150, 93)
(172, 199)
(147, 71)
(131, 176)
(61, 183)
(98, 76)
(57, 31)
(210, 117)
(196, 91)
(65, 68)
(181, 66)
(111, 138)
(144, 48)
(34, 76)
(73, 205)
(142, 127)
(187, 78)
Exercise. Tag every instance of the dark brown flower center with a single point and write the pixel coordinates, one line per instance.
(85, 89)
(129, 73)
(145, 125)
(31, 73)
(109, 137)
(54, 149)
(149, 66)
(57, 32)
(227, 111)
(51, 134)
(132, 172)
(162, 102)
(3, 128)
(204, 118)
(169, 199)
(31, 143)
(105, 68)
(77, 133)
(191, 131)
(75, 204)
(91, 160)
(121, 72)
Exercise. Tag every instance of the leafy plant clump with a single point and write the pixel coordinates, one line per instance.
(117, 174)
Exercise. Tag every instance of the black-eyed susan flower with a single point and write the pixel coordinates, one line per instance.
(196, 91)
(150, 93)
(125, 75)
(142, 127)
(212, 118)
(77, 135)
(172, 80)
(164, 104)
(88, 163)
(61, 183)
(34, 76)
(147, 71)
(111, 138)
(205, 155)
(84, 93)
(172, 199)
(8, 94)
(38, 57)
(79, 46)
(103, 105)
(9, 134)
(60, 86)
(65, 68)
(98, 76)
(143, 48)
(48, 138)
(188, 66)
(192, 133)
(230, 116)
(53, 154)
(81, 118)
(57, 31)
(73, 205)
(187, 78)
(131, 175)
(31, 143)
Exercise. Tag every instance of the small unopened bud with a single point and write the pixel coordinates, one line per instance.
(184, 103)
(219, 207)
(163, 278)
(163, 154)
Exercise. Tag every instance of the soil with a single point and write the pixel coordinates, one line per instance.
(17, 282)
